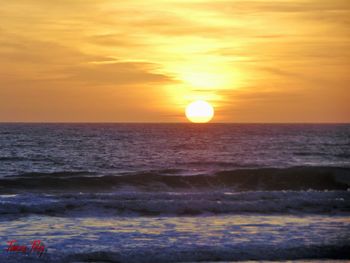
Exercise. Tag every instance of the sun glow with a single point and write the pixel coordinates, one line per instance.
(199, 112)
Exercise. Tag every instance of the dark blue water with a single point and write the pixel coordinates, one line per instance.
(176, 192)
(118, 148)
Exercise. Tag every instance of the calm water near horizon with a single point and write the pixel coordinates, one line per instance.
(176, 192)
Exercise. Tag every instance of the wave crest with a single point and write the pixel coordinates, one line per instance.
(296, 178)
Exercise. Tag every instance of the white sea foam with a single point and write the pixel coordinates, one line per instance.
(177, 203)
(181, 239)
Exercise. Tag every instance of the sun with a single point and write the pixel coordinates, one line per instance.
(199, 111)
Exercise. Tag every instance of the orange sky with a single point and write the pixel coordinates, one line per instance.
(144, 61)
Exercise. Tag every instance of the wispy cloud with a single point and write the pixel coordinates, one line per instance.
(145, 60)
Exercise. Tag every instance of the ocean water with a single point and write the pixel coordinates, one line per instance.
(175, 192)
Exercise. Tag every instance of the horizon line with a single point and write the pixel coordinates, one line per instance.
(116, 122)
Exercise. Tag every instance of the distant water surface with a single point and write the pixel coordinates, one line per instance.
(116, 148)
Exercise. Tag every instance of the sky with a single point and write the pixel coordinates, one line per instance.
(144, 61)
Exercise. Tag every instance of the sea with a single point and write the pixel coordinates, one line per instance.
(174, 192)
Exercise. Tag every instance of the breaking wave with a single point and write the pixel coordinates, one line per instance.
(171, 192)
(176, 203)
(269, 179)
